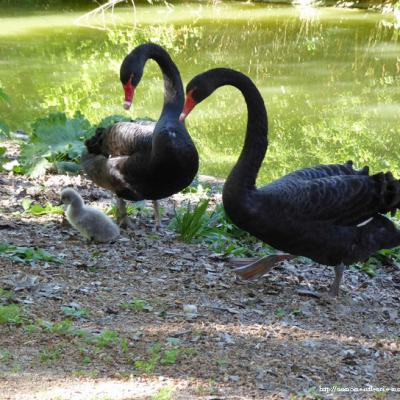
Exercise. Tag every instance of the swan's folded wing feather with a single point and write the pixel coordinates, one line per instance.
(323, 171)
(126, 138)
(104, 171)
(346, 199)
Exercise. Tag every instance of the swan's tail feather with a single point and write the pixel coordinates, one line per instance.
(260, 267)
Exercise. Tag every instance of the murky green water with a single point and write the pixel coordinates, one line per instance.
(330, 77)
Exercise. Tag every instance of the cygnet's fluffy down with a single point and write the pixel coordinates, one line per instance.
(91, 223)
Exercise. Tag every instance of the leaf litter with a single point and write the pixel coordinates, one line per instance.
(163, 313)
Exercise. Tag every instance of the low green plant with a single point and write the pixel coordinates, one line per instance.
(37, 209)
(197, 188)
(57, 142)
(16, 368)
(10, 314)
(164, 393)
(137, 305)
(385, 256)
(5, 355)
(5, 296)
(55, 138)
(368, 267)
(80, 373)
(51, 354)
(158, 355)
(222, 363)
(280, 313)
(191, 222)
(26, 254)
(30, 328)
(64, 327)
(215, 229)
(131, 209)
(74, 312)
(138, 207)
(149, 365)
(105, 339)
(124, 345)
(170, 357)
(112, 119)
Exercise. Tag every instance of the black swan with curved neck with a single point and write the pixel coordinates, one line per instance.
(145, 160)
(332, 214)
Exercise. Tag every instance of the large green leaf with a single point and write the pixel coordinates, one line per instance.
(112, 119)
(55, 138)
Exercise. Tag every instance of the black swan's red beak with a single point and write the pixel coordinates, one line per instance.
(129, 90)
(188, 107)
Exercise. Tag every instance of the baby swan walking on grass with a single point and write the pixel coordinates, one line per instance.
(91, 223)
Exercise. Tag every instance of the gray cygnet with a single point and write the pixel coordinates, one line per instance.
(91, 223)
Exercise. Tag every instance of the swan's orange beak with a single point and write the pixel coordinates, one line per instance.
(188, 107)
(129, 90)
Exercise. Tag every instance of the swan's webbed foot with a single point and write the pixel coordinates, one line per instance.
(334, 289)
(259, 267)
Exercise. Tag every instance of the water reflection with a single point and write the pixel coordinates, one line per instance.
(330, 78)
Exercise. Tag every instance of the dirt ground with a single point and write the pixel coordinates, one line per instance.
(182, 325)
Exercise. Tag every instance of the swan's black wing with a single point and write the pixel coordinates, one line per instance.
(122, 139)
(343, 199)
(323, 171)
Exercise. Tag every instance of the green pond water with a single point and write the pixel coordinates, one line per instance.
(329, 77)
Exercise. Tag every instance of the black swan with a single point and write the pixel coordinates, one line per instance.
(91, 223)
(331, 214)
(145, 160)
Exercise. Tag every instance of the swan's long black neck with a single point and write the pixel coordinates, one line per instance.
(244, 174)
(173, 89)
